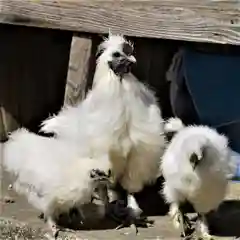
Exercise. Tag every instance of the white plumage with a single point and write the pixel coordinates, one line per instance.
(53, 174)
(173, 125)
(195, 167)
(120, 116)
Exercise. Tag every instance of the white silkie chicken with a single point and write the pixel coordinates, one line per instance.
(195, 167)
(53, 174)
(119, 116)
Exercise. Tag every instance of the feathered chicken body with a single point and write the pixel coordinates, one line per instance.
(120, 116)
(195, 167)
(51, 173)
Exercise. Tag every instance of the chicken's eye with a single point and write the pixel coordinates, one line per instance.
(116, 54)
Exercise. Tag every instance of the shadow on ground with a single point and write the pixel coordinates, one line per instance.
(149, 200)
(225, 222)
(152, 202)
(94, 219)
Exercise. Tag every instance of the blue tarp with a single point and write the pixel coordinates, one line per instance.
(214, 84)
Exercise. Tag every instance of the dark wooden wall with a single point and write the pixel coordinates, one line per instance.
(33, 70)
(153, 59)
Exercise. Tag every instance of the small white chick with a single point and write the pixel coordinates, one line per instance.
(195, 166)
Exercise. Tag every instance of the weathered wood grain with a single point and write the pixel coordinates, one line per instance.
(78, 70)
(216, 21)
(7, 124)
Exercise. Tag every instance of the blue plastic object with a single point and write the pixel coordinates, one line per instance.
(214, 84)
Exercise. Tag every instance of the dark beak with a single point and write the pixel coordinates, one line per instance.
(132, 59)
(126, 64)
(195, 160)
(122, 66)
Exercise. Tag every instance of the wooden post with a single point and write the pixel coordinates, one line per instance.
(81, 67)
(78, 70)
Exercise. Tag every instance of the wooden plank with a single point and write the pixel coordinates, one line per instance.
(33, 72)
(216, 21)
(82, 66)
(96, 40)
(78, 70)
(7, 124)
(2, 128)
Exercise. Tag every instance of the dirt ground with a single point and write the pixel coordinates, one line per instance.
(19, 219)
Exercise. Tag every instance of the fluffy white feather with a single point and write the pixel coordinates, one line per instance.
(173, 124)
(205, 185)
(119, 117)
(53, 174)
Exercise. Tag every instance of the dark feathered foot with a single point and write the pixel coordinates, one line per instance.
(117, 211)
(188, 229)
(181, 221)
(100, 176)
(124, 216)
